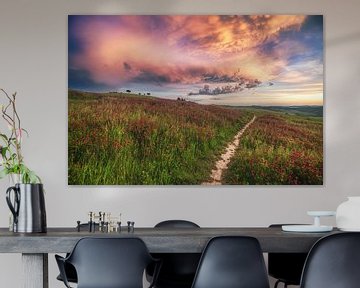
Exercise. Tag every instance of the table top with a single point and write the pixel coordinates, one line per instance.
(158, 240)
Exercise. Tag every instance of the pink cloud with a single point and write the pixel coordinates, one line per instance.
(183, 49)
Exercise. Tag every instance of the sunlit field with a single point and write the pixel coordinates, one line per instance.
(279, 149)
(120, 138)
(123, 138)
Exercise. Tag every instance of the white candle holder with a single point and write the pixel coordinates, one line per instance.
(316, 227)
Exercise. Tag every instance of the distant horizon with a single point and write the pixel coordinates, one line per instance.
(267, 60)
(143, 94)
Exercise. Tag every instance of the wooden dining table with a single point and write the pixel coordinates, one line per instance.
(35, 247)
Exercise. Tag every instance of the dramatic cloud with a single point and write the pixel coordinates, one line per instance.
(229, 53)
(127, 67)
(227, 89)
(152, 77)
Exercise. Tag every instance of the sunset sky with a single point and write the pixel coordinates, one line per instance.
(224, 60)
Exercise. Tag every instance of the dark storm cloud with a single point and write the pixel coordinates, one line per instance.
(75, 45)
(228, 88)
(152, 77)
(127, 66)
(222, 78)
(81, 79)
(234, 78)
(313, 23)
(156, 23)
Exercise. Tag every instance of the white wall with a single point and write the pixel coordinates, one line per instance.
(33, 62)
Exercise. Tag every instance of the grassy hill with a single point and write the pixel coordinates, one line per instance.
(315, 111)
(121, 138)
(279, 149)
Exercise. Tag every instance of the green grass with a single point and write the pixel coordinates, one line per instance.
(119, 138)
(279, 149)
(316, 111)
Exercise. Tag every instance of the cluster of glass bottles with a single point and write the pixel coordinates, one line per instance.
(104, 222)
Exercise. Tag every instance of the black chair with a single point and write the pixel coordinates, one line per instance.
(178, 269)
(69, 269)
(232, 262)
(286, 267)
(333, 262)
(108, 263)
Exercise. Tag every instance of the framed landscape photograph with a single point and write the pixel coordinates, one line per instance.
(195, 100)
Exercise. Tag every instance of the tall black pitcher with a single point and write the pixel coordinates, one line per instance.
(27, 207)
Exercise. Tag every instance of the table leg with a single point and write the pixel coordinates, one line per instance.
(35, 270)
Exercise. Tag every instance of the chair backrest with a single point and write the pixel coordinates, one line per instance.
(232, 262)
(333, 262)
(110, 262)
(286, 266)
(178, 269)
(176, 224)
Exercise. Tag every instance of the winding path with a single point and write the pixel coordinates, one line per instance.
(222, 164)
